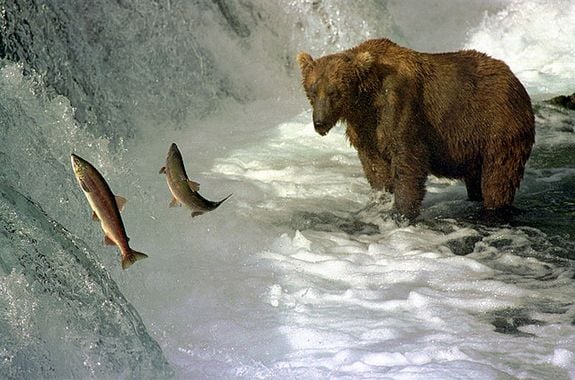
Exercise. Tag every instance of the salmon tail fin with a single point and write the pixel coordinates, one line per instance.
(223, 200)
(131, 258)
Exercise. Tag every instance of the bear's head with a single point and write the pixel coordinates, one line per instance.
(332, 84)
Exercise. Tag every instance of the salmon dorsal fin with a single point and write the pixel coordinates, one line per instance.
(163, 170)
(121, 202)
(197, 213)
(194, 186)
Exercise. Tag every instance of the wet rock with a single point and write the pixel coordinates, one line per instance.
(563, 101)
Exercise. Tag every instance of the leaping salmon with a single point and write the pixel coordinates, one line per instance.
(185, 191)
(106, 208)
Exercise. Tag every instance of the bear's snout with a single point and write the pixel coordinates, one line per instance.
(321, 122)
(321, 128)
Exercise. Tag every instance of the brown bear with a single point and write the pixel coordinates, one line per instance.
(409, 114)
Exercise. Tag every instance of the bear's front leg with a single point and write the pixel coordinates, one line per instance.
(410, 176)
(377, 171)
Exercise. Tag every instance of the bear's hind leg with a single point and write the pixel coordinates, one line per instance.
(498, 191)
(500, 177)
(473, 185)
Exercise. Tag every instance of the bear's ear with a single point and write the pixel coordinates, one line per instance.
(305, 61)
(363, 62)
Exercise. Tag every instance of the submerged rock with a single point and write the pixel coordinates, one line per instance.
(563, 101)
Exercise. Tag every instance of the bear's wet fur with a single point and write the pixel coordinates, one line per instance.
(409, 114)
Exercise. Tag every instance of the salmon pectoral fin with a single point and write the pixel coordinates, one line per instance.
(194, 186)
(197, 213)
(108, 241)
(131, 258)
(121, 202)
(175, 203)
(163, 170)
(95, 217)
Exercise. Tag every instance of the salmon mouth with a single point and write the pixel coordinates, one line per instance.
(174, 151)
(76, 163)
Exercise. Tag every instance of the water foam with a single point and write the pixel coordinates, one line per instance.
(397, 301)
(535, 39)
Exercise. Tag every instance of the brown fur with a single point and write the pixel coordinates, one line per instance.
(409, 114)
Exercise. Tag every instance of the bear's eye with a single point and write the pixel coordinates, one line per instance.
(332, 92)
(312, 90)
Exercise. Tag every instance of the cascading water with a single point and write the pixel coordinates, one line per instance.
(299, 274)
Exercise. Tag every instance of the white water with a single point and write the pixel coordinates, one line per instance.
(296, 277)
(534, 38)
(300, 274)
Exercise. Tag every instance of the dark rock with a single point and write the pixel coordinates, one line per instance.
(563, 101)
